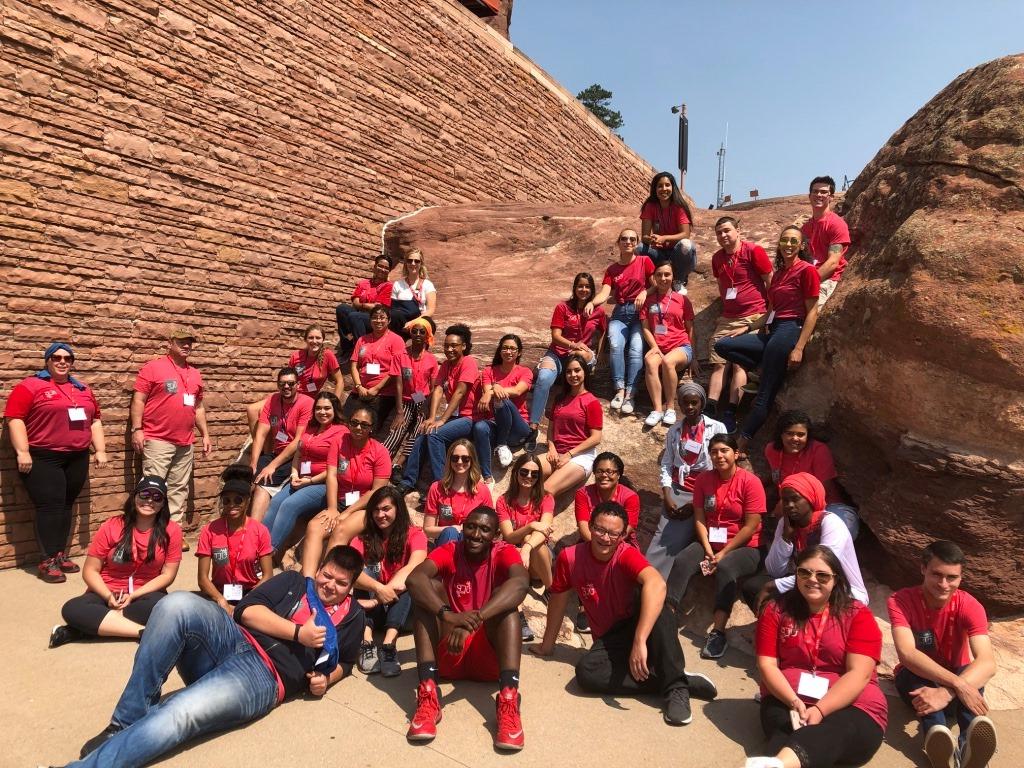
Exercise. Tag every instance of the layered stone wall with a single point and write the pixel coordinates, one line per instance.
(230, 165)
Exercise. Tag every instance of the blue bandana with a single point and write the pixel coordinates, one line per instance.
(322, 619)
(50, 350)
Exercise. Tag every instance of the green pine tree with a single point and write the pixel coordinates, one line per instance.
(598, 100)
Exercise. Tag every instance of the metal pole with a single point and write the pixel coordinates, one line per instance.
(683, 142)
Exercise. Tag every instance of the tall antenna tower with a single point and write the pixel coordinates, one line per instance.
(721, 169)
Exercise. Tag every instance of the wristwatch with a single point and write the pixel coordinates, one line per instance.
(445, 608)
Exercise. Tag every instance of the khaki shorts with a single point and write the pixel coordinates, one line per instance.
(828, 287)
(725, 327)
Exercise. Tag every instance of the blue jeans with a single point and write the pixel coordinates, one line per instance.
(227, 683)
(506, 428)
(683, 256)
(906, 681)
(289, 506)
(351, 321)
(392, 616)
(624, 330)
(448, 535)
(542, 382)
(436, 445)
(770, 352)
(848, 515)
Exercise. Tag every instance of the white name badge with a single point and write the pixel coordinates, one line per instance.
(351, 498)
(76, 414)
(771, 318)
(311, 387)
(718, 535)
(418, 397)
(306, 468)
(660, 329)
(730, 294)
(232, 591)
(691, 446)
(189, 400)
(131, 584)
(373, 369)
(812, 686)
(281, 436)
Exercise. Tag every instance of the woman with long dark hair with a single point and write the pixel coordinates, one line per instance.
(574, 430)
(500, 415)
(354, 317)
(666, 222)
(132, 560)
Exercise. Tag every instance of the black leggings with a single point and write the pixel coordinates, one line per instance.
(86, 612)
(846, 737)
(53, 484)
(738, 564)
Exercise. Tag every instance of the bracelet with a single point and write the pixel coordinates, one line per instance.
(295, 637)
(136, 429)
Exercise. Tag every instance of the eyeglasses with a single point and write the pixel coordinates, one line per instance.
(604, 533)
(789, 241)
(524, 472)
(460, 459)
(62, 358)
(153, 497)
(627, 239)
(233, 499)
(360, 424)
(606, 472)
(822, 577)
(510, 349)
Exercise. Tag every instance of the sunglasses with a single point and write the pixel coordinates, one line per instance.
(460, 459)
(822, 577)
(789, 241)
(233, 499)
(62, 358)
(413, 261)
(154, 497)
(360, 424)
(524, 472)
(287, 384)
(418, 332)
(604, 533)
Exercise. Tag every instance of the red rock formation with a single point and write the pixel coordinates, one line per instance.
(919, 358)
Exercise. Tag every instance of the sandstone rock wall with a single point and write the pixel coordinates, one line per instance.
(230, 164)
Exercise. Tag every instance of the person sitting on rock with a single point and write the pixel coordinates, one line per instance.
(419, 367)
(500, 416)
(795, 450)
(376, 371)
(466, 598)
(667, 318)
(665, 224)
(828, 237)
(610, 484)
(575, 422)
(635, 648)
(459, 491)
(946, 659)
(412, 295)
(573, 332)
(354, 317)
(743, 272)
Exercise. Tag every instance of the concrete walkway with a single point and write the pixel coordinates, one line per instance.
(54, 700)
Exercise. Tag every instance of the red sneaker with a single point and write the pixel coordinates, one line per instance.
(509, 734)
(66, 564)
(423, 726)
(49, 571)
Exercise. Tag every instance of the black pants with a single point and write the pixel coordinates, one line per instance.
(87, 611)
(738, 564)
(53, 484)
(605, 667)
(402, 311)
(351, 321)
(846, 737)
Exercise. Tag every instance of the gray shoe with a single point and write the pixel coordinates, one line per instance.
(369, 660)
(677, 707)
(714, 646)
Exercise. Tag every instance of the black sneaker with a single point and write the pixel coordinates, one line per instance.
(525, 625)
(701, 686)
(100, 739)
(397, 471)
(403, 489)
(677, 707)
(389, 666)
(582, 622)
(714, 646)
(530, 445)
(63, 634)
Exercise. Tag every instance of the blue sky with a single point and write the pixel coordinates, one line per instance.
(806, 88)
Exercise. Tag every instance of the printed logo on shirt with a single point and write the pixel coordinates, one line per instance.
(776, 474)
(463, 589)
(788, 628)
(710, 502)
(343, 464)
(220, 555)
(444, 511)
(274, 420)
(299, 368)
(122, 555)
(170, 386)
(924, 640)
(50, 394)
(407, 373)
(589, 591)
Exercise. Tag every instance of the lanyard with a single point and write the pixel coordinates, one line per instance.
(69, 395)
(233, 557)
(697, 435)
(178, 371)
(818, 631)
(720, 500)
(732, 261)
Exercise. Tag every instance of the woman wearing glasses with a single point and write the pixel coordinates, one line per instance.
(132, 560)
(234, 550)
(665, 223)
(728, 503)
(413, 295)
(574, 430)
(817, 648)
(53, 419)
(459, 491)
(785, 330)
(354, 318)
(419, 368)
(500, 417)
(625, 283)
(573, 332)
(610, 484)
(376, 369)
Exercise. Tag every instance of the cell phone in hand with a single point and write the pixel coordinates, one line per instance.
(794, 718)
(706, 567)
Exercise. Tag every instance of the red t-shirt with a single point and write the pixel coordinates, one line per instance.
(667, 219)
(115, 574)
(669, 314)
(829, 230)
(572, 420)
(417, 374)
(168, 389)
(370, 292)
(492, 375)
(821, 646)
(451, 507)
(285, 419)
(449, 376)
(315, 446)
(312, 373)
(791, 288)
(236, 556)
(576, 326)
(470, 585)
(520, 515)
(606, 589)
(587, 498)
(742, 271)
(952, 626)
(815, 458)
(415, 541)
(58, 417)
(627, 281)
(742, 494)
(357, 470)
(386, 354)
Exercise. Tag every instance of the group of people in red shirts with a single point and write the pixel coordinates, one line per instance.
(337, 475)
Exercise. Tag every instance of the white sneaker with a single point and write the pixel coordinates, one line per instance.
(670, 418)
(654, 418)
(616, 402)
(628, 406)
(504, 455)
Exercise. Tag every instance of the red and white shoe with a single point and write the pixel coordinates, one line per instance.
(509, 734)
(423, 726)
